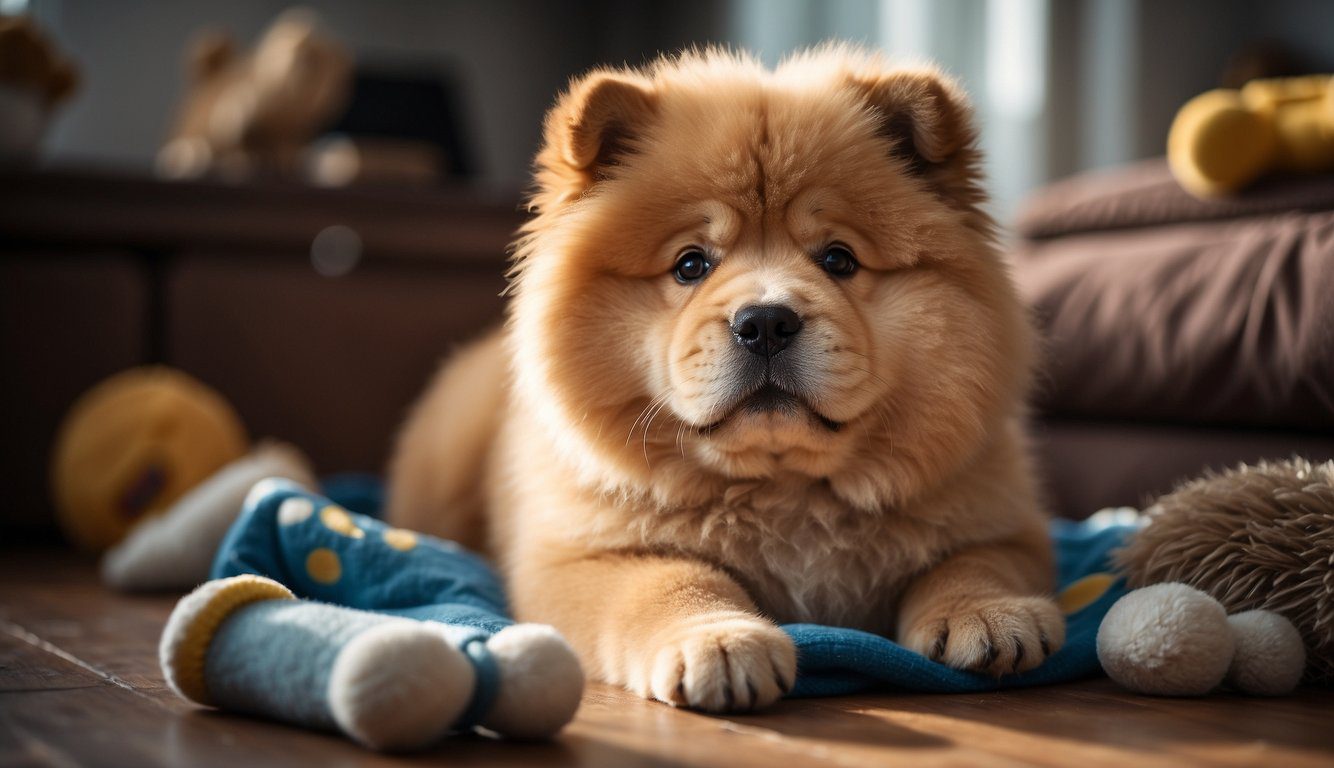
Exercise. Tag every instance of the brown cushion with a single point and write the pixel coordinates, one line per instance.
(1218, 319)
(1145, 194)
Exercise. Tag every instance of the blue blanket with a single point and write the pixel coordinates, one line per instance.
(321, 551)
(835, 660)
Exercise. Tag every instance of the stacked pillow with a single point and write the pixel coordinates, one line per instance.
(1161, 310)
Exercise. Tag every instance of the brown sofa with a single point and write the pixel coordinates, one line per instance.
(1181, 334)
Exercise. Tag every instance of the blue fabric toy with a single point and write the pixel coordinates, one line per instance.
(330, 619)
(333, 620)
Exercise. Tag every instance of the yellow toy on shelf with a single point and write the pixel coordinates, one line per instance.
(133, 445)
(1223, 140)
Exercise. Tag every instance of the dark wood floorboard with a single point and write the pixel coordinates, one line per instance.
(79, 685)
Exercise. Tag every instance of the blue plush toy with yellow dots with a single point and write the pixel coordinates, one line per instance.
(333, 620)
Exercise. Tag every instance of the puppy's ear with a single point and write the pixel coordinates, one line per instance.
(591, 128)
(928, 122)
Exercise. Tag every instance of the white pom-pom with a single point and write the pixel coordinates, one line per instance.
(1166, 639)
(540, 682)
(399, 685)
(1270, 657)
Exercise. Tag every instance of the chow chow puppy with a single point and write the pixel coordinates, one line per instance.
(762, 364)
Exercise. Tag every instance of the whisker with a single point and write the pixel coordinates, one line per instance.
(629, 435)
(651, 403)
(648, 424)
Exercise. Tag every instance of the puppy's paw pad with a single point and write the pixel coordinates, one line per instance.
(996, 636)
(722, 664)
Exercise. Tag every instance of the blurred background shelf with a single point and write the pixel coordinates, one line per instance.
(98, 208)
(320, 314)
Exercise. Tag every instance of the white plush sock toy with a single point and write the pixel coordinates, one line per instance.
(246, 644)
(174, 550)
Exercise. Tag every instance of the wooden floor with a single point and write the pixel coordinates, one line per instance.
(79, 685)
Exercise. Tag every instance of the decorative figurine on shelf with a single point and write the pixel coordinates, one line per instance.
(34, 79)
(255, 113)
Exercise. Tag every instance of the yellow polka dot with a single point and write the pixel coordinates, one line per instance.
(1084, 592)
(338, 520)
(323, 566)
(400, 539)
(295, 510)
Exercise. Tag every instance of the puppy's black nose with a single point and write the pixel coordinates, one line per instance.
(765, 329)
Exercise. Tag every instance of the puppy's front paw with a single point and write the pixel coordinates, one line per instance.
(727, 663)
(993, 635)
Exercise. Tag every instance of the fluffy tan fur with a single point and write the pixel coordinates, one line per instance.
(601, 438)
(1258, 536)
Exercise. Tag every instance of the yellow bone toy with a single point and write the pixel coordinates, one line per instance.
(1224, 139)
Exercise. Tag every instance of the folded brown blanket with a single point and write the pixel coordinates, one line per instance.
(1145, 194)
(1161, 307)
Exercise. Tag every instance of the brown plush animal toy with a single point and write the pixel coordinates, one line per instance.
(34, 79)
(255, 113)
(1255, 537)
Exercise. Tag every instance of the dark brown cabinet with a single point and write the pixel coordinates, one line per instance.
(100, 272)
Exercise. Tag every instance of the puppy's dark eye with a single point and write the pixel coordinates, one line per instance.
(691, 266)
(838, 260)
